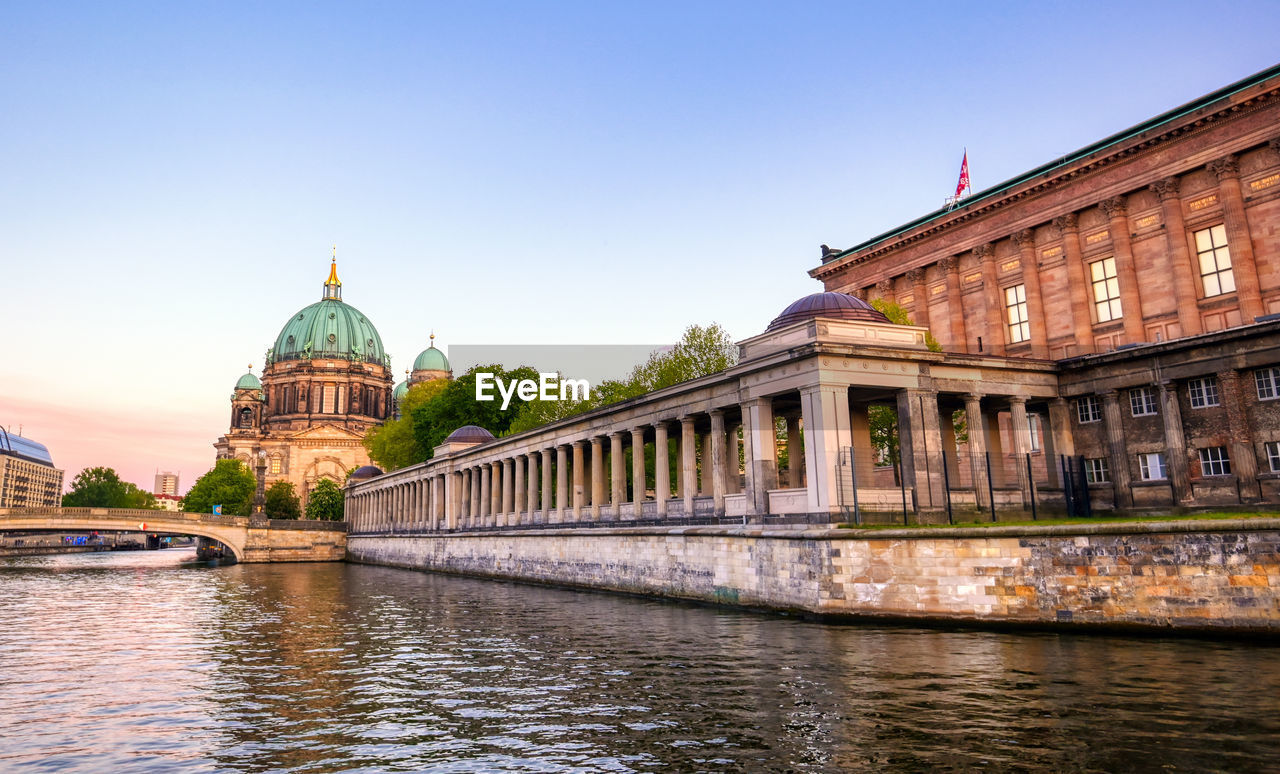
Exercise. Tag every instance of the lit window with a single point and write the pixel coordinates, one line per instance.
(1033, 425)
(275, 466)
(1215, 261)
(1106, 289)
(1096, 470)
(1268, 383)
(1273, 455)
(1152, 466)
(1015, 304)
(1142, 401)
(1203, 392)
(1088, 410)
(1215, 462)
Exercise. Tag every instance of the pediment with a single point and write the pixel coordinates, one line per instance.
(325, 433)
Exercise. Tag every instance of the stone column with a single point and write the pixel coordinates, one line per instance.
(486, 494)
(477, 495)
(884, 288)
(1175, 443)
(532, 494)
(825, 412)
(717, 460)
(639, 482)
(1117, 453)
(548, 489)
(1059, 439)
(1078, 281)
(1126, 270)
(508, 491)
(597, 477)
(517, 505)
(993, 300)
(562, 480)
(920, 446)
(1021, 444)
(689, 465)
(1244, 459)
(795, 453)
(919, 298)
(977, 423)
(763, 461)
(661, 469)
(579, 481)
(955, 305)
(1239, 240)
(1181, 264)
(618, 475)
(1030, 263)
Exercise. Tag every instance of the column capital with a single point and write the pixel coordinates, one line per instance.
(1115, 207)
(1225, 168)
(716, 412)
(617, 434)
(1111, 395)
(1017, 400)
(884, 287)
(915, 276)
(1166, 189)
(984, 252)
(1275, 145)
(859, 293)
(968, 396)
(1024, 238)
(659, 423)
(687, 419)
(949, 263)
(1068, 223)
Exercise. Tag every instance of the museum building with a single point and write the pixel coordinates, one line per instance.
(326, 382)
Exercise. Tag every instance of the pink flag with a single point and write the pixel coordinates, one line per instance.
(964, 175)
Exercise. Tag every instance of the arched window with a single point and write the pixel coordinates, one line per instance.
(246, 418)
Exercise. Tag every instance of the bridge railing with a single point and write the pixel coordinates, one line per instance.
(143, 515)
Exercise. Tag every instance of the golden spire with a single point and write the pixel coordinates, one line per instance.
(251, 367)
(333, 286)
(433, 338)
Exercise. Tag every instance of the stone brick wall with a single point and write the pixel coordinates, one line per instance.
(1188, 575)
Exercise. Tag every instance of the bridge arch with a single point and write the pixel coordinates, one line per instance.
(231, 531)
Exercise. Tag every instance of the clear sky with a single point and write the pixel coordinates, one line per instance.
(172, 175)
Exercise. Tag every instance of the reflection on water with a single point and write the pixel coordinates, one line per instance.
(138, 662)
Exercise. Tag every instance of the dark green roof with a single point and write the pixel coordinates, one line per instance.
(1071, 158)
(329, 328)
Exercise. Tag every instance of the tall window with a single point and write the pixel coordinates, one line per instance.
(275, 466)
(1142, 401)
(1215, 261)
(246, 418)
(1152, 466)
(1203, 392)
(1096, 470)
(1015, 304)
(1033, 425)
(1268, 383)
(1214, 461)
(1088, 410)
(1273, 455)
(1106, 289)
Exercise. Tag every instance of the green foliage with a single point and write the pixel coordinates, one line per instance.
(898, 316)
(102, 488)
(325, 502)
(456, 405)
(700, 352)
(281, 502)
(229, 484)
(394, 445)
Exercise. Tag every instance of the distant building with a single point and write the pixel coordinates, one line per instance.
(166, 484)
(28, 478)
(168, 502)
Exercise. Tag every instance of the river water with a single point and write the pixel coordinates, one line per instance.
(146, 661)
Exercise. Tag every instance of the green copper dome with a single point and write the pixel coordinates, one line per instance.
(431, 359)
(399, 392)
(249, 382)
(329, 328)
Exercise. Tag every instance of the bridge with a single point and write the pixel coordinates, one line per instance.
(250, 540)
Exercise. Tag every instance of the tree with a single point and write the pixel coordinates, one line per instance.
(229, 484)
(456, 405)
(102, 488)
(325, 502)
(393, 445)
(282, 502)
(898, 316)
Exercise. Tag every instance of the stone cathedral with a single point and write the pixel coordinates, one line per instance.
(326, 382)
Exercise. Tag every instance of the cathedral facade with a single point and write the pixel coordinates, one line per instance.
(326, 383)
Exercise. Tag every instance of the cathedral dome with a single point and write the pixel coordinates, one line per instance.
(839, 306)
(399, 392)
(431, 359)
(249, 382)
(329, 328)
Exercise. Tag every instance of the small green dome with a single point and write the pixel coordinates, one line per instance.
(329, 328)
(249, 382)
(431, 359)
(400, 391)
